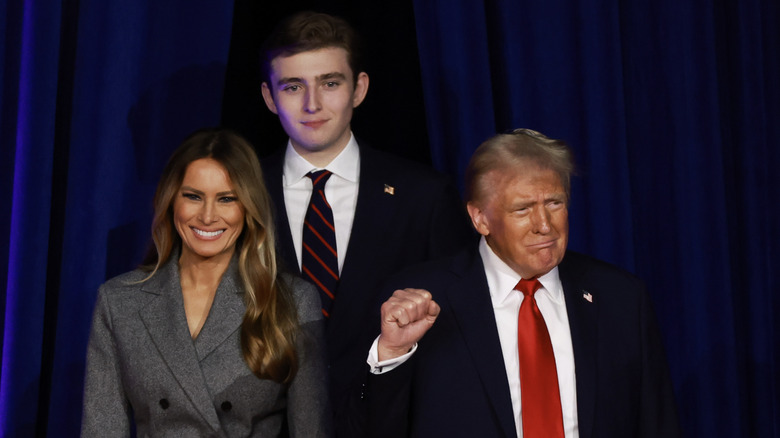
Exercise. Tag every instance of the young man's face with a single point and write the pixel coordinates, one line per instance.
(313, 94)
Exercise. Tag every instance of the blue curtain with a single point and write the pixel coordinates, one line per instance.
(673, 111)
(29, 84)
(95, 97)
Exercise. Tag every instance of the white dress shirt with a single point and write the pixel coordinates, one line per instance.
(341, 191)
(506, 302)
(506, 306)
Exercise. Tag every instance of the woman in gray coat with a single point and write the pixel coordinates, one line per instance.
(208, 339)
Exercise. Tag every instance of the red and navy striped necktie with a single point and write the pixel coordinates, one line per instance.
(320, 262)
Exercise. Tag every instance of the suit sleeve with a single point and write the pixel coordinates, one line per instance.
(106, 409)
(380, 407)
(658, 414)
(387, 399)
(308, 409)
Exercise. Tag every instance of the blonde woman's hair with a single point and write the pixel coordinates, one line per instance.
(270, 324)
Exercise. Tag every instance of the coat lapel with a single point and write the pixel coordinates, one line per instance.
(273, 167)
(583, 323)
(476, 320)
(371, 217)
(166, 324)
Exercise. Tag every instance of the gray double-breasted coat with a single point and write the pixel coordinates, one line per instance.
(143, 367)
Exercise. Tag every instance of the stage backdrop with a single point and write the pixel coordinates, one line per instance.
(672, 109)
(95, 97)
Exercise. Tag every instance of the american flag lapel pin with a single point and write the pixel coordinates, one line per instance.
(390, 190)
(588, 297)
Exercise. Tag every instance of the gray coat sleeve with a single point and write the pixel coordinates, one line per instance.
(308, 410)
(106, 410)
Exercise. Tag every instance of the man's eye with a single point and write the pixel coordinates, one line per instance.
(332, 84)
(291, 88)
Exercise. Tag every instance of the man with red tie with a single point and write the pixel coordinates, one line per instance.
(347, 216)
(521, 337)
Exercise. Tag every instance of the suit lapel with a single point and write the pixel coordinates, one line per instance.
(583, 323)
(473, 313)
(371, 217)
(166, 324)
(273, 167)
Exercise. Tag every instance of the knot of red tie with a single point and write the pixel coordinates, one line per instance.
(528, 287)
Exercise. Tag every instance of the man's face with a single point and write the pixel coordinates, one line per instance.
(524, 218)
(314, 93)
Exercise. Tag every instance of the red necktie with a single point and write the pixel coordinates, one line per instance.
(320, 263)
(540, 399)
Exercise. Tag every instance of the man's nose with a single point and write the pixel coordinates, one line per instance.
(541, 220)
(312, 102)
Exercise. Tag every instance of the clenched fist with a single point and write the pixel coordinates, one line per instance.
(406, 316)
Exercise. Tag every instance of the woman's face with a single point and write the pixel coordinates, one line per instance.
(206, 212)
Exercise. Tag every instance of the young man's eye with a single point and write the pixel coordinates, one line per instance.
(332, 84)
(291, 88)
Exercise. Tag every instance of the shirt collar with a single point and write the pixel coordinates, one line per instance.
(502, 279)
(346, 164)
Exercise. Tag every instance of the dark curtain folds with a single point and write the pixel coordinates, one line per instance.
(95, 97)
(29, 84)
(672, 109)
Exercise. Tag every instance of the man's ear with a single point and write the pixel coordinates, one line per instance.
(478, 218)
(361, 88)
(268, 98)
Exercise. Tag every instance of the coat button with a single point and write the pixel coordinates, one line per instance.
(164, 403)
(227, 406)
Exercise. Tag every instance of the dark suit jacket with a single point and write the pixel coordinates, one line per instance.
(456, 385)
(423, 220)
(143, 366)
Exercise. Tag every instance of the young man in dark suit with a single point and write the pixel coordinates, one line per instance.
(522, 337)
(369, 214)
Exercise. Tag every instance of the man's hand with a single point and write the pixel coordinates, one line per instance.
(406, 316)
